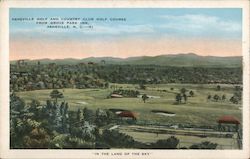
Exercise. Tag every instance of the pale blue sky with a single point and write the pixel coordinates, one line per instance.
(205, 23)
(146, 32)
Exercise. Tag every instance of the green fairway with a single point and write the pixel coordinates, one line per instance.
(197, 110)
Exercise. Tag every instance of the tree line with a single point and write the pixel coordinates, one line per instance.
(99, 76)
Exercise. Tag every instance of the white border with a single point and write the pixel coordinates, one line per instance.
(5, 152)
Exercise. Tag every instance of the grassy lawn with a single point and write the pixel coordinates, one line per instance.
(197, 110)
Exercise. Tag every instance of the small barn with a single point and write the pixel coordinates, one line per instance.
(229, 120)
(127, 115)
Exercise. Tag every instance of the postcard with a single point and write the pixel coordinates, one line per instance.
(124, 79)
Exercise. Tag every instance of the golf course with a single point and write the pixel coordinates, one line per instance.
(197, 109)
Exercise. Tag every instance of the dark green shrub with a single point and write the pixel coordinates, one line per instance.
(170, 143)
(204, 145)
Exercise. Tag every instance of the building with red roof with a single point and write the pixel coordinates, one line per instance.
(127, 114)
(228, 120)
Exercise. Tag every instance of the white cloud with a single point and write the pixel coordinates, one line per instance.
(196, 23)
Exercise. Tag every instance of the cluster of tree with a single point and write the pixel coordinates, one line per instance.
(183, 95)
(34, 77)
(33, 125)
(170, 143)
(216, 97)
(235, 99)
(47, 76)
(126, 92)
(204, 145)
(113, 138)
(152, 74)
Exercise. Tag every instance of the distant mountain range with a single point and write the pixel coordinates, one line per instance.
(177, 60)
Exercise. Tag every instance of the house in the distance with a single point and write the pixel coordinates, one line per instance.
(127, 115)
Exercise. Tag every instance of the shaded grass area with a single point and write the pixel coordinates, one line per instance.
(185, 141)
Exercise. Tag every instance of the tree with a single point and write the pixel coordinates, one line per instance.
(37, 138)
(106, 85)
(216, 97)
(79, 115)
(234, 100)
(114, 138)
(178, 98)
(88, 131)
(66, 108)
(144, 97)
(103, 62)
(16, 103)
(58, 119)
(59, 141)
(34, 109)
(191, 93)
(204, 145)
(238, 94)
(88, 115)
(18, 127)
(55, 94)
(238, 88)
(65, 118)
(183, 90)
(185, 97)
(223, 98)
(101, 117)
(49, 105)
(170, 143)
(62, 108)
(142, 86)
(209, 97)
(218, 88)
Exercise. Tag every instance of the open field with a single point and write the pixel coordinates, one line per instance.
(198, 110)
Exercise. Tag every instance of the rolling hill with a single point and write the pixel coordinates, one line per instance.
(177, 60)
